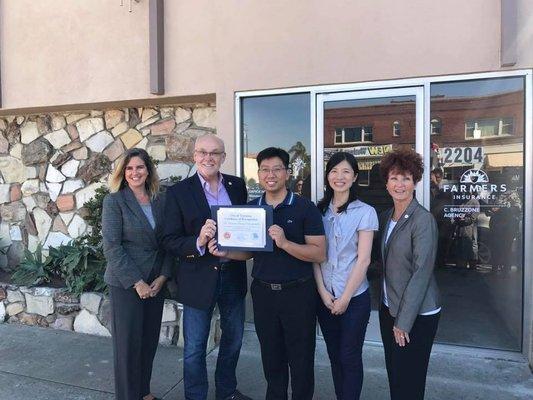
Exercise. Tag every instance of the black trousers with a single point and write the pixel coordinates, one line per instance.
(135, 328)
(285, 322)
(407, 366)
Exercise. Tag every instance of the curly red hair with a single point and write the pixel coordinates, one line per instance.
(402, 161)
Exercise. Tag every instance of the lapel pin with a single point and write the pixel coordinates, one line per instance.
(406, 216)
(229, 183)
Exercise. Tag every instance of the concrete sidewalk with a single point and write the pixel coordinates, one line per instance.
(42, 364)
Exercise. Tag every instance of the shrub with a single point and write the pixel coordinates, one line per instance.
(93, 217)
(34, 269)
(81, 266)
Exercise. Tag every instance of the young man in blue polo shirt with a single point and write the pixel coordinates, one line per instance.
(283, 290)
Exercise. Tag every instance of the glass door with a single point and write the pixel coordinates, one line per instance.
(369, 124)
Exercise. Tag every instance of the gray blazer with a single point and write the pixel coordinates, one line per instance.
(131, 246)
(408, 259)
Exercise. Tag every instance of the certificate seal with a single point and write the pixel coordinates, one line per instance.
(227, 235)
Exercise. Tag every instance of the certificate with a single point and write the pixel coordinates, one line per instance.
(243, 227)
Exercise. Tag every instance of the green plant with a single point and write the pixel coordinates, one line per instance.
(81, 262)
(34, 269)
(174, 178)
(81, 266)
(93, 218)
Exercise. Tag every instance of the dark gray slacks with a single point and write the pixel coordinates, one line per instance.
(135, 328)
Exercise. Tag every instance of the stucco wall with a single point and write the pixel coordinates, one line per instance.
(88, 52)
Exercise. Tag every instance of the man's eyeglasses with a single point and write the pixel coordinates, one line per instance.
(214, 154)
(267, 171)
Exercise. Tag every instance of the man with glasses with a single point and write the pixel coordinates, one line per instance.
(204, 280)
(283, 290)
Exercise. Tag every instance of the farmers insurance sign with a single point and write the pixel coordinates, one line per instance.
(474, 184)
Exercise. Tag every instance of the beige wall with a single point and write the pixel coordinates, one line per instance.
(95, 51)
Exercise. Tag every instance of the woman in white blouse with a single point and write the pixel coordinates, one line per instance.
(341, 280)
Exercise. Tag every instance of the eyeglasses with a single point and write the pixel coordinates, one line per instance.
(266, 171)
(214, 154)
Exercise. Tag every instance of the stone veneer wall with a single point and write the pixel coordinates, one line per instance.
(89, 313)
(51, 164)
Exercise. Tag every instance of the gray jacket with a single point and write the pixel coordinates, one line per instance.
(408, 260)
(131, 246)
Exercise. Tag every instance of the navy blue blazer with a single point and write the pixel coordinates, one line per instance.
(186, 211)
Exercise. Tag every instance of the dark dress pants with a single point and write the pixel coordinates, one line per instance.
(285, 323)
(136, 324)
(407, 366)
(344, 336)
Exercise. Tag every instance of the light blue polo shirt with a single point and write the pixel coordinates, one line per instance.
(342, 234)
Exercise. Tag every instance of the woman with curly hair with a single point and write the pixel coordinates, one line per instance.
(410, 309)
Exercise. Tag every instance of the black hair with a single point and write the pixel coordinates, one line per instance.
(336, 159)
(271, 152)
(438, 171)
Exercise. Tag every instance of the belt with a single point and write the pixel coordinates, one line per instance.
(284, 285)
(224, 266)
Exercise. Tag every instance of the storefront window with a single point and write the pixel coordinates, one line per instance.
(477, 197)
(279, 121)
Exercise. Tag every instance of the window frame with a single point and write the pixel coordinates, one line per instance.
(343, 135)
(426, 82)
(500, 123)
(396, 129)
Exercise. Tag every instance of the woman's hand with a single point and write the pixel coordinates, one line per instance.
(157, 285)
(327, 298)
(340, 305)
(213, 249)
(401, 337)
(142, 289)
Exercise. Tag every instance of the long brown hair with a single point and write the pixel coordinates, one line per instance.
(117, 180)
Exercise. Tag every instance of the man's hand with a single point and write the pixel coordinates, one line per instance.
(278, 235)
(142, 289)
(213, 249)
(207, 232)
(157, 285)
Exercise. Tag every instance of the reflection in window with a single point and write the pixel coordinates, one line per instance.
(356, 134)
(436, 126)
(486, 128)
(478, 207)
(396, 130)
(278, 121)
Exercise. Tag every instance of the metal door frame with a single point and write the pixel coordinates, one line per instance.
(421, 147)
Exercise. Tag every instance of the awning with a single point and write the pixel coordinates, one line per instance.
(500, 160)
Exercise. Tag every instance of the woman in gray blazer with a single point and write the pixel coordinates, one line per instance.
(410, 309)
(137, 268)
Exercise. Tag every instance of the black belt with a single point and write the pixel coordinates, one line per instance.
(283, 285)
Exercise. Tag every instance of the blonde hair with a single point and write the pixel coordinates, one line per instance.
(117, 180)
